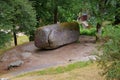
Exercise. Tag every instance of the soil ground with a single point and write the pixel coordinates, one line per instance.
(39, 59)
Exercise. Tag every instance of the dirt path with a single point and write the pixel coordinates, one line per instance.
(39, 59)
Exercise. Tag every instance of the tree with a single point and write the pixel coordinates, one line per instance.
(109, 61)
(52, 11)
(100, 11)
(5, 11)
(117, 13)
(107, 10)
(17, 16)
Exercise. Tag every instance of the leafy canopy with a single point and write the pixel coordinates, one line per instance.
(67, 10)
(16, 14)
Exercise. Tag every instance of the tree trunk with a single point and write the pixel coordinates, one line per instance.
(117, 14)
(31, 36)
(55, 14)
(98, 31)
(14, 35)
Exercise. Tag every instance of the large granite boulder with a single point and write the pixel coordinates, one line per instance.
(56, 35)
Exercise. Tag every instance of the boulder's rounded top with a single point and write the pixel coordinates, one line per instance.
(70, 25)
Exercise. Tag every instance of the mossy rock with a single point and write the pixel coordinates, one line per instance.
(70, 25)
(56, 35)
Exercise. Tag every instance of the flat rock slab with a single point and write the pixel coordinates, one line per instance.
(15, 64)
(56, 35)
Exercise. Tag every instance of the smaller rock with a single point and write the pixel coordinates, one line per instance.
(15, 64)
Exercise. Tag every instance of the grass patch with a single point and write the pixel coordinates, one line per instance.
(22, 39)
(88, 72)
(58, 70)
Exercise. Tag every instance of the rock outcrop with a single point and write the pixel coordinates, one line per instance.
(56, 35)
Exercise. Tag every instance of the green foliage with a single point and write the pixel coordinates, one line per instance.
(24, 16)
(110, 59)
(17, 16)
(6, 13)
(66, 10)
(100, 10)
(18, 13)
(43, 13)
(90, 32)
(4, 38)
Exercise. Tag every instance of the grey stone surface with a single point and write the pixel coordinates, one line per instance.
(26, 55)
(56, 35)
(15, 64)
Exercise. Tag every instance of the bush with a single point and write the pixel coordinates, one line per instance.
(4, 38)
(110, 59)
(90, 32)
